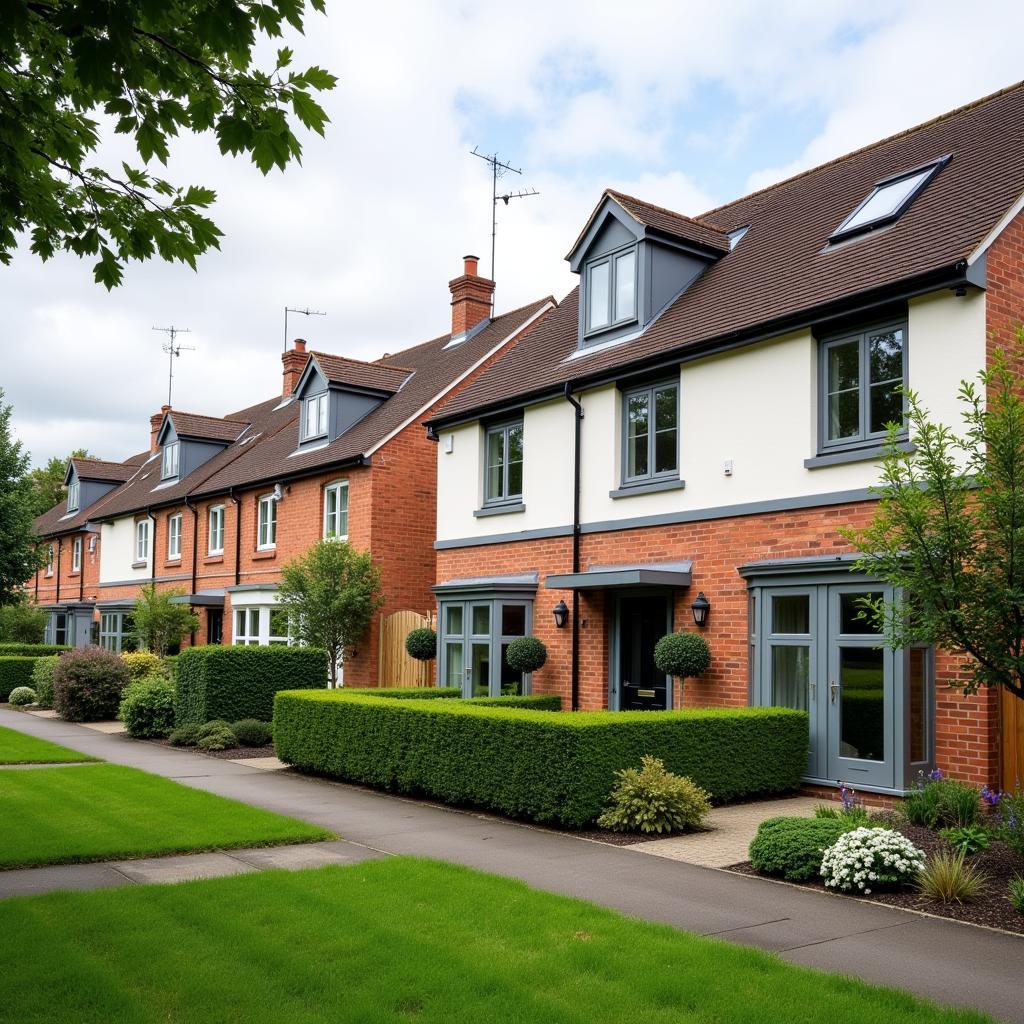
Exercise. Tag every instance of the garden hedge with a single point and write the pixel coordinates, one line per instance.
(405, 692)
(15, 670)
(536, 702)
(32, 650)
(534, 764)
(233, 683)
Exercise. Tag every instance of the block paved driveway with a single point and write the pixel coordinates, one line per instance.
(942, 960)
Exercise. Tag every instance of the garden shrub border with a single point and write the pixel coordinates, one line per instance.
(15, 671)
(32, 650)
(533, 764)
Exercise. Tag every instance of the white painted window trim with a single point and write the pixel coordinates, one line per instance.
(49, 560)
(266, 516)
(170, 462)
(215, 512)
(337, 488)
(76, 555)
(142, 540)
(74, 495)
(174, 536)
(317, 404)
(262, 637)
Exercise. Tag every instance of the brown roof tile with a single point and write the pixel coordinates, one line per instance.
(207, 428)
(374, 376)
(669, 222)
(100, 469)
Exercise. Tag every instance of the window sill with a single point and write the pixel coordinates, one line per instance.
(75, 573)
(213, 559)
(596, 335)
(650, 487)
(499, 510)
(141, 565)
(862, 454)
(173, 561)
(265, 553)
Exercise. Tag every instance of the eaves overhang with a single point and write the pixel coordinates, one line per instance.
(613, 577)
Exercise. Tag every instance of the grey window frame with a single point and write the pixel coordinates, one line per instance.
(502, 428)
(306, 402)
(74, 495)
(651, 390)
(114, 639)
(610, 258)
(865, 438)
(174, 446)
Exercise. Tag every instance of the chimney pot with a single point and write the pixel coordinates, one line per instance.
(471, 263)
(471, 297)
(292, 363)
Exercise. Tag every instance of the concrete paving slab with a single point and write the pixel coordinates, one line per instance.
(34, 881)
(267, 764)
(42, 712)
(182, 868)
(105, 727)
(313, 855)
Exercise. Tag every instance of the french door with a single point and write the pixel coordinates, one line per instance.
(475, 636)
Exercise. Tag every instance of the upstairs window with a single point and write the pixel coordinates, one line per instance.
(169, 468)
(651, 433)
(611, 290)
(76, 555)
(336, 511)
(862, 377)
(73, 495)
(215, 539)
(314, 417)
(49, 560)
(174, 536)
(503, 464)
(142, 540)
(266, 519)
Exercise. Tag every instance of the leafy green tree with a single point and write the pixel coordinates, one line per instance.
(160, 625)
(21, 623)
(18, 555)
(151, 69)
(949, 533)
(48, 481)
(330, 594)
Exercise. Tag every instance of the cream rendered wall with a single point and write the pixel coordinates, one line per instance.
(117, 551)
(756, 406)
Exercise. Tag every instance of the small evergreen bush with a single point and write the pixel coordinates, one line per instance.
(218, 738)
(15, 670)
(526, 654)
(21, 696)
(967, 839)
(252, 733)
(42, 680)
(88, 683)
(421, 644)
(142, 664)
(651, 799)
(938, 802)
(214, 725)
(871, 858)
(682, 655)
(947, 879)
(792, 848)
(147, 707)
(184, 736)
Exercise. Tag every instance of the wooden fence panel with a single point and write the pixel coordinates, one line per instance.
(394, 666)
(1011, 740)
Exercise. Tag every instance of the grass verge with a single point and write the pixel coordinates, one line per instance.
(19, 748)
(105, 811)
(398, 940)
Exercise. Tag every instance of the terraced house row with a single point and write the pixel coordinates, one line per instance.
(676, 445)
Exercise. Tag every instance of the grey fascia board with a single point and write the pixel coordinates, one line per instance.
(242, 588)
(787, 566)
(499, 510)
(523, 582)
(200, 599)
(609, 577)
(68, 605)
(120, 602)
(651, 487)
(544, 533)
(144, 581)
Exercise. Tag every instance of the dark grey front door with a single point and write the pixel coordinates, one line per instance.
(641, 624)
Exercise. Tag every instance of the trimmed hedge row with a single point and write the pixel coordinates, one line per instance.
(539, 702)
(538, 765)
(535, 702)
(15, 670)
(32, 650)
(232, 683)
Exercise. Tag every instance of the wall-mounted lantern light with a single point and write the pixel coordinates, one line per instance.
(700, 608)
(561, 614)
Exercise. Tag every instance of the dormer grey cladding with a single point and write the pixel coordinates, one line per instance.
(192, 451)
(89, 491)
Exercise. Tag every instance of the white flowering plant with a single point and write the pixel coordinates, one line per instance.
(867, 858)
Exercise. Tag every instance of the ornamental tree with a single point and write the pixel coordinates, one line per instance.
(148, 69)
(421, 644)
(18, 555)
(159, 623)
(948, 533)
(682, 655)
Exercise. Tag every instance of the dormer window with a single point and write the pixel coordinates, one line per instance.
(314, 417)
(611, 290)
(170, 462)
(73, 495)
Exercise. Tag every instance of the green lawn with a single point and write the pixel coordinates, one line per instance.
(17, 748)
(104, 811)
(396, 940)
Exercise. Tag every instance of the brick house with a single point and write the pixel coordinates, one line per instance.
(684, 436)
(217, 505)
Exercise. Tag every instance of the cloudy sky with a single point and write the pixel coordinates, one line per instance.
(686, 104)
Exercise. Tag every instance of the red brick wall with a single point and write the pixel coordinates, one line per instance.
(74, 586)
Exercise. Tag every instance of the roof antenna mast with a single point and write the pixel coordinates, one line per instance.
(172, 348)
(305, 312)
(499, 168)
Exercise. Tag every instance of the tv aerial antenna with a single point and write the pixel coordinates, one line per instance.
(173, 349)
(499, 168)
(305, 312)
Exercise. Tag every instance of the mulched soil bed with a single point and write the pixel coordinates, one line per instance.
(992, 907)
(232, 753)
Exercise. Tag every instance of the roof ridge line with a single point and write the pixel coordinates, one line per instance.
(614, 192)
(938, 119)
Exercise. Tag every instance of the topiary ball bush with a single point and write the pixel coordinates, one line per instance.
(682, 655)
(651, 799)
(421, 644)
(526, 654)
(251, 732)
(219, 738)
(184, 736)
(88, 683)
(21, 696)
(147, 707)
(42, 680)
(792, 848)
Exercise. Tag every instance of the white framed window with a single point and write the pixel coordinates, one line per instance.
(336, 510)
(314, 417)
(247, 627)
(261, 626)
(266, 523)
(49, 560)
(170, 464)
(174, 536)
(74, 490)
(142, 540)
(76, 555)
(215, 533)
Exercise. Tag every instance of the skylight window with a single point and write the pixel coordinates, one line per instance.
(887, 201)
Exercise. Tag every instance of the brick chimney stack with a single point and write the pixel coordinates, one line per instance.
(471, 297)
(293, 362)
(155, 422)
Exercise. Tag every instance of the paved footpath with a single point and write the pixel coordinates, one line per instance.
(942, 960)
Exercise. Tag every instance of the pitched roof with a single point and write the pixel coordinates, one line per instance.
(360, 374)
(668, 222)
(100, 469)
(57, 521)
(206, 428)
(784, 272)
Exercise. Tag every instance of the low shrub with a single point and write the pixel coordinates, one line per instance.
(871, 858)
(941, 803)
(792, 848)
(1016, 893)
(42, 680)
(184, 736)
(405, 692)
(650, 799)
(526, 654)
(142, 664)
(22, 623)
(536, 702)
(251, 733)
(21, 696)
(15, 671)
(214, 725)
(532, 764)
(232, 683)
(32, 650)
(421, 644)
(220, 738)
(147, 707)
(682, 655)
(88, 683)
(967, 839)
(947, 879)
(853, 817)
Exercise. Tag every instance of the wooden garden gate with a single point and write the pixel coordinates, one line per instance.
(395, 667)
(1011, 755)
